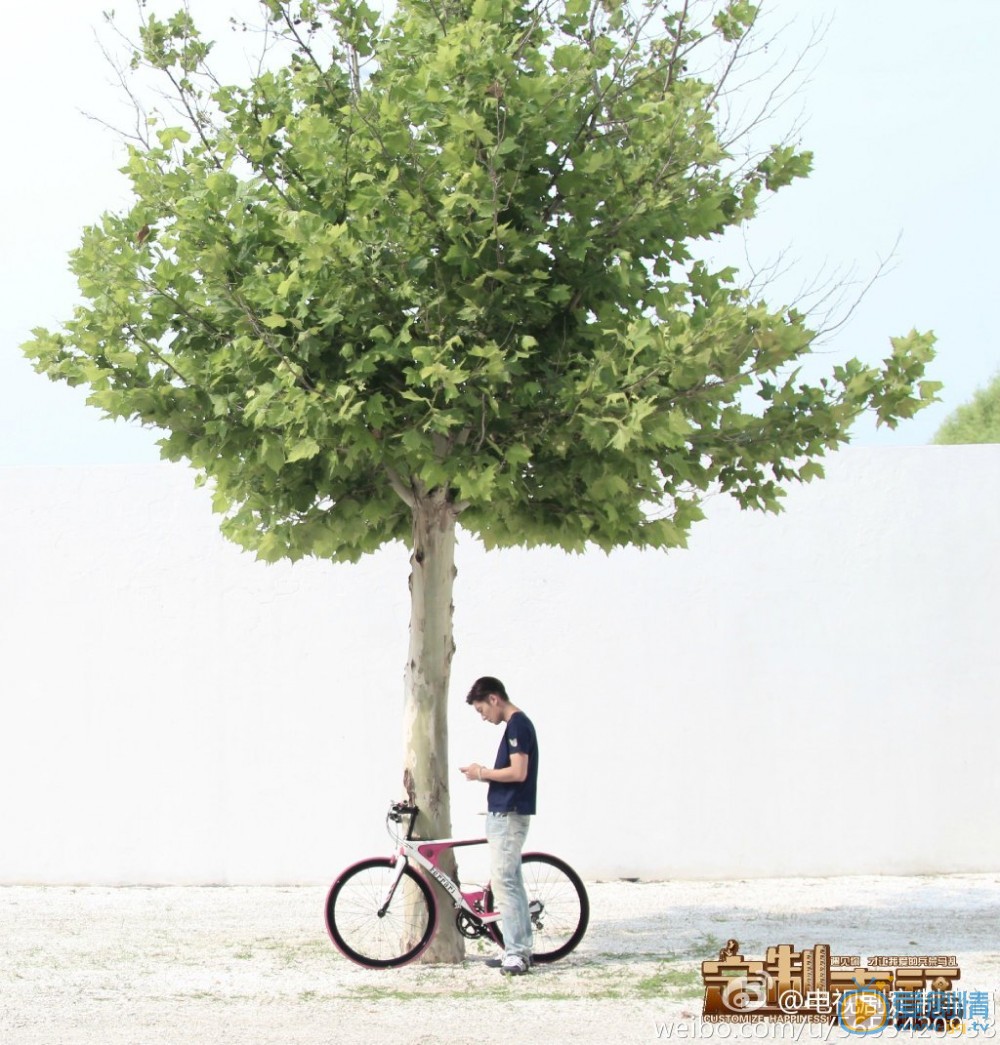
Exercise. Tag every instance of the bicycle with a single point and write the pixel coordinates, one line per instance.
(378, 924)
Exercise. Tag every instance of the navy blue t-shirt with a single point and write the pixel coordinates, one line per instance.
(518, 739)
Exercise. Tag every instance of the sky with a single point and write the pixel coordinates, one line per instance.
(895, 99)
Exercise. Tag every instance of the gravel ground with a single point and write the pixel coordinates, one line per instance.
(143, 966)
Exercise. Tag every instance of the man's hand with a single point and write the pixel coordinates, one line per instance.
(473, 772)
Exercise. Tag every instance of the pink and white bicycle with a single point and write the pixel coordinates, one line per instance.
(382, 913)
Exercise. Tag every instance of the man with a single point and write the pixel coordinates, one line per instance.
(511, 804)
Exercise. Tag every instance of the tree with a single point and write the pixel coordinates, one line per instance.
(977, 421)
(439, 266)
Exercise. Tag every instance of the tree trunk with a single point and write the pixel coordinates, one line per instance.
(425, 714)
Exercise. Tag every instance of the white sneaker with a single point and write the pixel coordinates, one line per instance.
(514, 966)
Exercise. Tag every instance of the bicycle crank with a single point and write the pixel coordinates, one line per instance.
(469, 926)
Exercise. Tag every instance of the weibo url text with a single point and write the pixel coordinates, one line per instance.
(789, 1028)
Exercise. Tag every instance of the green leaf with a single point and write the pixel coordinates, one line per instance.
(169, 135)
(303, 450)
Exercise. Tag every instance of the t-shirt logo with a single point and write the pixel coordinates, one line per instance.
(513, 741)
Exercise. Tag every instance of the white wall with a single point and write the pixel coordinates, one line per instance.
(813, 693)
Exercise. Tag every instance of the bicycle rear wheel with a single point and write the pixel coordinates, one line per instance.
(559, 906)
(375, 938)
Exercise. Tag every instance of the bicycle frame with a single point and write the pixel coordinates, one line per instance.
(427, 854)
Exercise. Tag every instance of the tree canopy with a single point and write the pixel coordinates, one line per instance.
(454, 249)
(977, 421)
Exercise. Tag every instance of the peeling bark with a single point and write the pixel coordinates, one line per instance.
(425, 714)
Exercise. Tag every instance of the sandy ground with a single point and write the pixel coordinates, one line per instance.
(254, 966)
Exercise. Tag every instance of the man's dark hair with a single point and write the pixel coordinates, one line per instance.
(482, 688)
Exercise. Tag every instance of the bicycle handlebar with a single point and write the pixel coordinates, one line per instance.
(397, 810)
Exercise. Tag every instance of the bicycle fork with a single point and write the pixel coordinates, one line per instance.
(401, 863)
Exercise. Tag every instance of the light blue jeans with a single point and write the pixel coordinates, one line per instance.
(505, 833)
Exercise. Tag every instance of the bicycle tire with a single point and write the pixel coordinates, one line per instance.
(380, 941)
(558, 926)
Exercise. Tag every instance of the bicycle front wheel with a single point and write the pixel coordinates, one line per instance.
(368, 926)
(558, 903)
